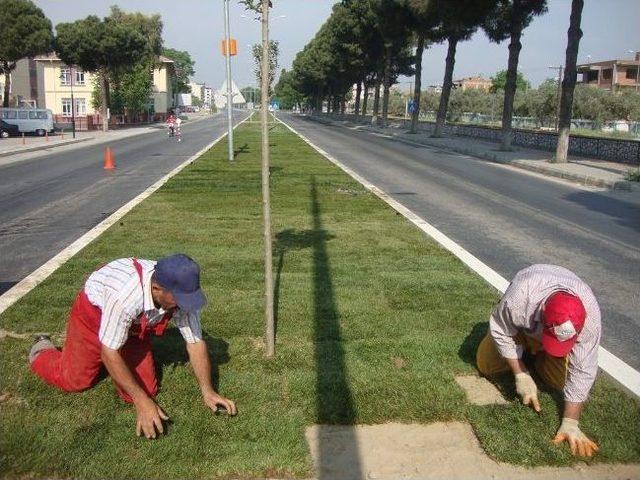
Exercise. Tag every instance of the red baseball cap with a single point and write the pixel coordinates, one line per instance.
(563, 317)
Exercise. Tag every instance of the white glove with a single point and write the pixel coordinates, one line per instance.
(578, 441)
(527, 389)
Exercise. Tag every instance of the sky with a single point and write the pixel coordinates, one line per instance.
(610, 30)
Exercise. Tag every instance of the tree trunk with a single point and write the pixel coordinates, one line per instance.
(418, 86)
(365, 100)
(511, 82)
(376, 101)
(343, 106)
(358, 93)
(446, 87)
(266, 202)
(386, 83)
(104, 99)
(569, 83)
(7, 85)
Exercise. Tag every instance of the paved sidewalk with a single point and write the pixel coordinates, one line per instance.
(14, 145)
(586, 171)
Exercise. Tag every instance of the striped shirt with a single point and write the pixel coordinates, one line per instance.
(116, 290)
(519, 310)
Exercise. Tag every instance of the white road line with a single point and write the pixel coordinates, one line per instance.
(23, 287)
(623, 373)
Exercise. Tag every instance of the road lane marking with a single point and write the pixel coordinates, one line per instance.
(620, 371)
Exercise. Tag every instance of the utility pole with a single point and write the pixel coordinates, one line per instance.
(229, 92)
(559, 68)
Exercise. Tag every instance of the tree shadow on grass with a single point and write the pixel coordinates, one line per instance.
(334, 402)
(286, 241)
(241, 150)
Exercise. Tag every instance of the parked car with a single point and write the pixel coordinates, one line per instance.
(6, 129)
(29, 120)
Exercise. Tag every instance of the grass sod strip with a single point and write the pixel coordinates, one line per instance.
(373, 323)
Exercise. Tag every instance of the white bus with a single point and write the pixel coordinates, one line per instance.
(29, 120)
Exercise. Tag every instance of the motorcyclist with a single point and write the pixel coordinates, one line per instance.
(171, 124)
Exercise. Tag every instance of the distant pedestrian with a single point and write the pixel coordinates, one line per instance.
(120, 306)
(550, 314)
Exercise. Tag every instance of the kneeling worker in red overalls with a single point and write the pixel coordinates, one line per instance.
(110, 324)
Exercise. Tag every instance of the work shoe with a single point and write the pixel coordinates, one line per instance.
(42, 342)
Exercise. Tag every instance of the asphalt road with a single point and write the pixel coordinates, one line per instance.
(509, 219)
(51, 200)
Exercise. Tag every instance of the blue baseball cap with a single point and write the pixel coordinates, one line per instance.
(180, 275)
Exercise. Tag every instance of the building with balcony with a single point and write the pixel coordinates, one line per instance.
(473, 83)
(613, 75)
(47, 82)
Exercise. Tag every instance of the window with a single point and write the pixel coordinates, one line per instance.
(606, 74)
(23, 114)
(37, 115)
(65, 76)
(66, 107)
(81, 107)
(592, 76)
(10, 114)
(632, 73)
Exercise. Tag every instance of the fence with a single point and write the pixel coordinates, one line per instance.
(94, 122)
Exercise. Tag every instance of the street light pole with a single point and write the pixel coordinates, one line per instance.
(229, 93)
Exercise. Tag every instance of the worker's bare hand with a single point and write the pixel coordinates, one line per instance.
(150, 417)
(579, 443)
(214, 401)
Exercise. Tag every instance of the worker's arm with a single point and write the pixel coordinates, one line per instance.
(149, 414)
(201, 364)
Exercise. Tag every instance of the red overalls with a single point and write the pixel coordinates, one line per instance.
(77, 367)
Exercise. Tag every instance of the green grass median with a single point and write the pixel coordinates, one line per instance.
(374, 321)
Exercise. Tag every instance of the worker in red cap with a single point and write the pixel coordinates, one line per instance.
(112, 319)
(550, 314)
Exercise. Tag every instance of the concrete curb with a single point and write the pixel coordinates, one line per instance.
(44, 147)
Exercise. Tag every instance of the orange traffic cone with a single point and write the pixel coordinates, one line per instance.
(109, 163)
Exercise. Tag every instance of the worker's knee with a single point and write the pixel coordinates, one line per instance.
(488, 360)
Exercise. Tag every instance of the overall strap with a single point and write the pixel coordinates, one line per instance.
(144, 320)
(160, 327)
